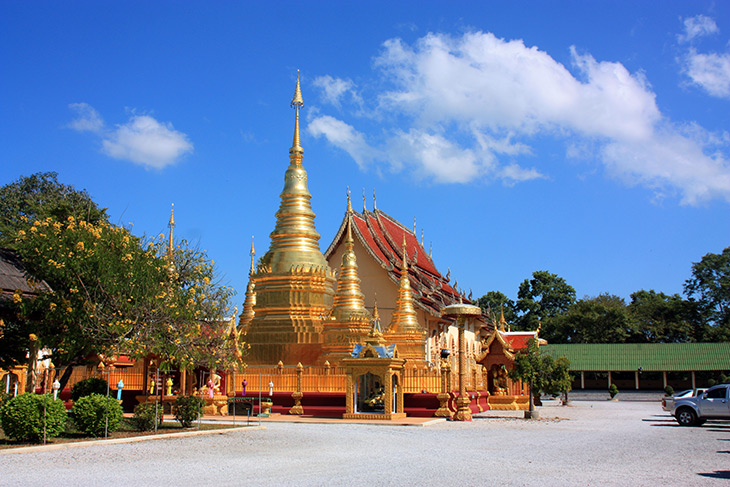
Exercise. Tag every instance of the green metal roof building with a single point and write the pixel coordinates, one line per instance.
(643, 357)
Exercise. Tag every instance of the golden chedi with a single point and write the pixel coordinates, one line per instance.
(349, 321)
(404, 329)
(293, 283)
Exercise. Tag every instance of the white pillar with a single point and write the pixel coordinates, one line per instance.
(609, 378)
(664, 378)
(636, 379)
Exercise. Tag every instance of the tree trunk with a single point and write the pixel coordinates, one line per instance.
(66, 376)
(31, 376)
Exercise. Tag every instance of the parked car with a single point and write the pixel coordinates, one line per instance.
(713, 404)
(668, 401)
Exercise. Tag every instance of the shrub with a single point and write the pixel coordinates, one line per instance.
(613, 390)
(669, 390)
(144, 416)
(711, 382)
(187, 409)
(22, 417)
(88, 386)
(89, 414)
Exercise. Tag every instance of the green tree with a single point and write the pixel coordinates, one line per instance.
(660, 318)
(527, 367)
(112, 292)
(709, 287)
(602, 319)
(39, 196)
(541, 299)
(493, 302)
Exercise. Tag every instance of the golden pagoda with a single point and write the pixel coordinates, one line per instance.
(248, 305)
(294, 284)
(349, 321)
(404, 329)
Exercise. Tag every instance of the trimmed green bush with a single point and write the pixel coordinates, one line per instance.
(88, 386)
(89, 414)
(187, 409)
(144, 416)
(22, 417)
(613, 390)
(669, 390)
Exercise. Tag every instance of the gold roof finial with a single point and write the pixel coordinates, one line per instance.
(375, 201)
(502, 321)
(364, 201)
(405, 255)
(297, 102)
(349, 201)
(414, 225)
(171, 224)
(253, 255)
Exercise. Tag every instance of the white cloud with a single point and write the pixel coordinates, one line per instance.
(335, 89)
(142, 140)
(342, 136)
(698, 26)
(460, 104)
(145, 141)
(709, 71)
(87, 118)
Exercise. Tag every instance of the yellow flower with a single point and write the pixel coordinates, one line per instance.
(52, 306)
(80, 245)
(16, 297)
(32, 337)
(33, 229)
(70, 218)
(21, 232)
(73, 290)
(69, 309)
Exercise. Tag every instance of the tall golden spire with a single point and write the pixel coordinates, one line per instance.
(249, 303)
(404, 316)
(404, 330)
(253, 256)
(349, 299)
(502, 321)
(297, 102)
(295, 241)
(349, 320)
(171, 224)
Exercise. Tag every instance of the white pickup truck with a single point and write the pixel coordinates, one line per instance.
(713, 404)
(668, 402)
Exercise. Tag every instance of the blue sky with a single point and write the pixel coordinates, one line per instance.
(589, 139)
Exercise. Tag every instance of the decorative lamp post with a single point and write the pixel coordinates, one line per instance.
(271, 388)
(461, 311)
(120, 386)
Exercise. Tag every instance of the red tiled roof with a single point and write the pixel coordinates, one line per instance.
(383, 236)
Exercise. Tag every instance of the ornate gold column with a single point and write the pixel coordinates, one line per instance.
(460, 311)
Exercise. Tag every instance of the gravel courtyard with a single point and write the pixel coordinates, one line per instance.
(587, 443)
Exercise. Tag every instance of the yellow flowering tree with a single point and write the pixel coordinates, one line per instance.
(113, 292)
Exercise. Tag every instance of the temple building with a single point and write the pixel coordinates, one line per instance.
(305, 306)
